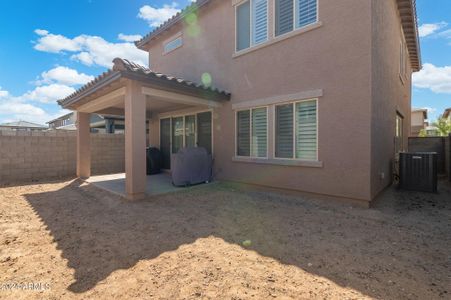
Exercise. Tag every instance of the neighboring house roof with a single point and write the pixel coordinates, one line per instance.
(61, 118)
(423, 110)
(172, 21)
(126, 69)
(447, 113)
(22, 124)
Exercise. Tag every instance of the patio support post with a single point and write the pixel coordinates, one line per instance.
(83, 145)
(135, 142)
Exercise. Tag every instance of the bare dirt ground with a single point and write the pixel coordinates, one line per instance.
(221, 241)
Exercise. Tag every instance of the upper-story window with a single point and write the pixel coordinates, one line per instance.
(293, 14)
(173, 44)
(251, 23)
(402, 59)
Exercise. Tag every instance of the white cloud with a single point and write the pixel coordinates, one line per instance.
(48, 93)
(437, 79)
(65, 76)
(41, 32)
(445, 34)
(3, 93)
(156, 16)
(55, 43)
(129, 38)
(15, 111)
(90, 50)
(19, 108)
(428, 29)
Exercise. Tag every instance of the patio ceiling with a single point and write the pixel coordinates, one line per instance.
(108, 90)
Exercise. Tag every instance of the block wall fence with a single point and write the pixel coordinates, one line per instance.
(40, 156)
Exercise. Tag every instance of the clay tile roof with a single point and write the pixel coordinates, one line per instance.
(172, 21)
(127, 69)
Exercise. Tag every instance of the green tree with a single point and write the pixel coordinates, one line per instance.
(423, 133)
(443, 125)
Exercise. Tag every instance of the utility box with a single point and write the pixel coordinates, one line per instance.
(418, 171)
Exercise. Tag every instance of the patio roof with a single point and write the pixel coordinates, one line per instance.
(123, 68)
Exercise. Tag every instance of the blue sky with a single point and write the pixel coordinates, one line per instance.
(49, 48)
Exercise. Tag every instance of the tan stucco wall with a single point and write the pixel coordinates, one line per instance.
(335, 57)
(417, 118)
(389, 93)
(36, 156)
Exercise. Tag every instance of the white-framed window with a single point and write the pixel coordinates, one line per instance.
(252, 132)
(294, 14)
(173, 44)
(251, 23)
(296, 130)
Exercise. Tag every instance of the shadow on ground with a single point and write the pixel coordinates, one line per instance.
(398, 247)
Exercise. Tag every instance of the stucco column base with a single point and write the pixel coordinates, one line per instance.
(83, 145)
(135, 197)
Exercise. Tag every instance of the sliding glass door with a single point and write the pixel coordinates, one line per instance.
(165, 142)
(185, 131)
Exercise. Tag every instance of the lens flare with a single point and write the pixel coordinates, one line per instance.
(206, 79)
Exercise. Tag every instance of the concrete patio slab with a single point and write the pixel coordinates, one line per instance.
(156, 184)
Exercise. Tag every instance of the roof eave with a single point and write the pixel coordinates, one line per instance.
(113, 76)
(409, 22)
(141, 44)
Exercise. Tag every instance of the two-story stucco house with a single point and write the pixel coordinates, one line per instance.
(305, 95)
(418, 121)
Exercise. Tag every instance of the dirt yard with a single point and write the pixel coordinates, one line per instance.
(221, 241)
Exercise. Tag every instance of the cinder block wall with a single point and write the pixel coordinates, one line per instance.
(430, 144)
(448, 156)
(107, 153)
(39, 156)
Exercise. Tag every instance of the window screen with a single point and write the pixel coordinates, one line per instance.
(284, 131)
(243, 130)
(259, 132)
(306, 131)
(243, 26)
(284, 16)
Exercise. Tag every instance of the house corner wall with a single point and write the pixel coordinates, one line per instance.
(391, 94)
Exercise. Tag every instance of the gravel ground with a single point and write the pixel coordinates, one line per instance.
(221, 241)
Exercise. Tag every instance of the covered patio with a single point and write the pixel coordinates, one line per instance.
(157, 184)
(140, 95)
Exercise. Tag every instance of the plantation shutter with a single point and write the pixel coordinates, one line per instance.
(243, 133)
(177, 134)
(284, 131)
(243, 26)
(259, 132)
(306, 130)
(260, 21)
(307, 12)
(284, 16)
